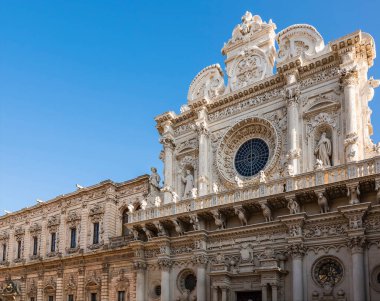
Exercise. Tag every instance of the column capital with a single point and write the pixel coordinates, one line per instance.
(356, 244)
(292, 95)
(297, 251)
(349, 77)
(167, 142)
(165, 264)
(200, 259)
(139, 266)
(201, 128)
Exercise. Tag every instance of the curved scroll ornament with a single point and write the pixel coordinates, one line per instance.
(241, 132)
(207, 84)
(330, 119)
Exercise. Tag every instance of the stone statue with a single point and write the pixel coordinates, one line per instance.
(144, 203)
(135, 234)
(189, 184)
(154, 182)
(323, 150)
(240, 212)
(220, 220)
(293, 206)
(353, 193)
(215, 188)
(323, 203)
(239, 182)
(178, 227)
(266, 212)
(318, 164)
(157, 201)
(131, 208)
(194, 193)
(175, 197)
(263, 177)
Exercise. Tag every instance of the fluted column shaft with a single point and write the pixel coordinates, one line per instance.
(201, 282)
(292, 109)
(168, 144)
(140, 285)
(264, 293)
(214, 293)
(224, 294)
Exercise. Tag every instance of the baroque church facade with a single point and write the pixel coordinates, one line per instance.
(271, 190)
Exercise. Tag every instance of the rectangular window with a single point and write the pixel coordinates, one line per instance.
(73, 241)
(121, 296)
(52, 242)
(19, 249)
(93, 296)
(70, 298)
(51, 298)
(4, 252)
(35, 245)
(32, 299)
(95, 239)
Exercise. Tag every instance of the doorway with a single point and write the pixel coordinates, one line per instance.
(248, 296)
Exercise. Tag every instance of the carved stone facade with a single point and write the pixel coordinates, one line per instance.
(271, 190)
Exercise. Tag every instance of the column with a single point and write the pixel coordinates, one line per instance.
(350, 81)
(23, 293)
(224, 293)
(104, 287)
(297, 276)
(274, 292)
(264, 293)
(59, 288)
(358, 277)
(168, 142)
(80, 288)
(140, 280)
(165, 266)
(292, 99)
(201, 128)
(214, 293)
(201, 277)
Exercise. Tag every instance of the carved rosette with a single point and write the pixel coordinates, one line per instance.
(241, 132)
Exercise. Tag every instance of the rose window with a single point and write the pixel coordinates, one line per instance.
(251, 157)
(328, 270)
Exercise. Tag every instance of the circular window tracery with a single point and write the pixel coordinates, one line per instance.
(187, 281)
(251, 157)
(327, 270)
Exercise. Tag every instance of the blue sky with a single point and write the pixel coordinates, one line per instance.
(81, 81)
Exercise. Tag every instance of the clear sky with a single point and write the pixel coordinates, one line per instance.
(81, 81)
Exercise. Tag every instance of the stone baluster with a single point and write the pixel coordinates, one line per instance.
(165, 265)
(349, 82)
(297, 252)
(140, 268)
(201, 128)
(167, 141)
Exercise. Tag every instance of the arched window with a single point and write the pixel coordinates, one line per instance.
(124, 219)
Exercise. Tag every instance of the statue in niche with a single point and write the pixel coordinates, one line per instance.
(188, 180)
(154, 182)
(323, 150)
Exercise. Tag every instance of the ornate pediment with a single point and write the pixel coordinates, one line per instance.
(298, 41)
